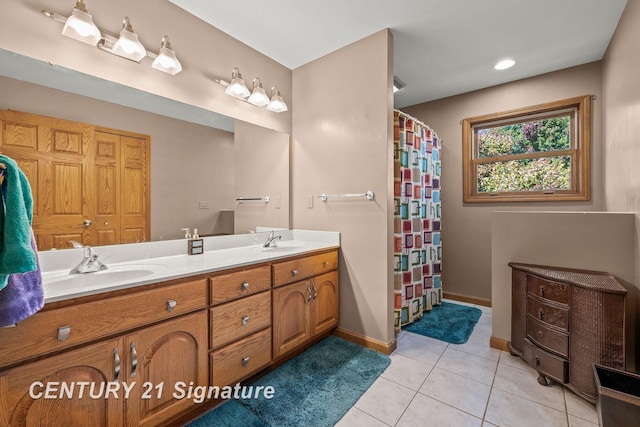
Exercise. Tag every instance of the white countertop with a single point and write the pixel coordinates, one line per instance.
(226, 252)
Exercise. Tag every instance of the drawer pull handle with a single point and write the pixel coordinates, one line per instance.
(134, 359)
(245, 320)
(245, 361)
(315, 290)
(326, 264)
(540, 334)
(308, 292)
(244, 286)
(294, 272)
(171, 304)
(537, 360)
(63, 333)
(542, 291)
(541, 314)
(116, 361)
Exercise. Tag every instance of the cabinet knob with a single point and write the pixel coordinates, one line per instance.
(294, 272)
(245, 320)
(63, 333)
(245, 361)
(171, 304)
(542, 291)
(537, 360)
(244, 286)
(326, 264)
(540, 334)
(541, 314)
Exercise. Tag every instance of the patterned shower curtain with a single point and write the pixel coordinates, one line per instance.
(418, 246)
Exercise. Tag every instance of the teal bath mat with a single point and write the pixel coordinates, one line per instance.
(448, 322)
(315, 388)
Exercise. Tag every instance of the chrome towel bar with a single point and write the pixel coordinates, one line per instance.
(369, 195)
(265, 199)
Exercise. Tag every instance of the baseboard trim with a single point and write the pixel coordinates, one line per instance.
(465, 298)
(499, 343)
(373, 344)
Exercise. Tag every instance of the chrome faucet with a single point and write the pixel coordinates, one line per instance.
(90, 262)
(272, 240)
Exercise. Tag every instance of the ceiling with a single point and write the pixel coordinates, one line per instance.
(441, 47)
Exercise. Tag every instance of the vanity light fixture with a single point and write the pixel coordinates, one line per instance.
(80, 26)
(277, 104)
(128, 46)
(258, 95)
(167, 60)
(237, 88)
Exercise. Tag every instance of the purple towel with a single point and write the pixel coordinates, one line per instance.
(23, 296)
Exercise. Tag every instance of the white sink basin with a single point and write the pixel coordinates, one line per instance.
(116, 273)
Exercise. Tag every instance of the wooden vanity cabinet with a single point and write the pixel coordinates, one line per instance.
(239, 324)
(150, 357)
(564, 321)
(307, 307)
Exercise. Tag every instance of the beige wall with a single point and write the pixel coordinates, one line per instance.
(342, 143)
(185, 158)
(204, 51)
(261, 167)
(600, 241)
(466, 228)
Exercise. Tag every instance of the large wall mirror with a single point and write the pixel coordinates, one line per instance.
(208, 171)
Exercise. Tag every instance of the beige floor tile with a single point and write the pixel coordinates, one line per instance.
(406, 371)
(468, 365)
(506, 410)
(524, 383)
(385, 400)
(580, 408)
(356, 418)
(479, 346)
(421, 349)
(425, 411)
(460, 392)
(515, 361)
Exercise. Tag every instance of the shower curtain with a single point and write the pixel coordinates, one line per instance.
(418, 246)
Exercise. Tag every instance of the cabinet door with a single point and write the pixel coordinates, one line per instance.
(157, 358)
(291, 326)
(324, 304)
(37, 394)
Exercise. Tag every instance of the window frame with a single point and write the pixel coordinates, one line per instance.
(579, 152)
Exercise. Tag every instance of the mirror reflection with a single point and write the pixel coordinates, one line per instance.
(200, 162)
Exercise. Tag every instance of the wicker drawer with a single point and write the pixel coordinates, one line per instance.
(552, 365)
(550, 338)
(239, 318)
(546, 289)
(547, 313)
(44, 332)
(226, 287)
(302, 268)
(241, 359)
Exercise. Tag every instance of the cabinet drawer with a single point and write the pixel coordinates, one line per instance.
(39, 334)
(239, 360)
(226, 287)
(239, 318)
(302, 268)
(547, 313)
(542, 334)
(546, 289)
(545, 362)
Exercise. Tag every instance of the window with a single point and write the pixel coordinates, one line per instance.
(538, 153)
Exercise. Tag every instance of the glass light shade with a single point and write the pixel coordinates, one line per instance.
(80, 26)
(237, 88)
(277, 104)
(504, 64)
(167, 60)
(258, 95)
(128, 45)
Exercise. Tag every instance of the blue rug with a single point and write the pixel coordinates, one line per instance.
(315, 388)
(449, 322)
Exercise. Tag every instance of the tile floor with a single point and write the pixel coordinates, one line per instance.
(433, 383)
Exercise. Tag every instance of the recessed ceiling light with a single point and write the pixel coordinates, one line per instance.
(504, 64)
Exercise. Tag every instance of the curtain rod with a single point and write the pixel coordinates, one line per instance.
(420, 122)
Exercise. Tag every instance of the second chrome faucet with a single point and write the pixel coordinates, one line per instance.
(90, 262)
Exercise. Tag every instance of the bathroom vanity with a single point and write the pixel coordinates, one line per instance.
(111, 355)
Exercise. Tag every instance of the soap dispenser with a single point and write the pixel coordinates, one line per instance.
(196, 244)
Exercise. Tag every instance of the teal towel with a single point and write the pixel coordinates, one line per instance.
(16, 254)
